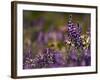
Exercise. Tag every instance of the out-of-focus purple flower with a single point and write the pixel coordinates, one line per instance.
(27, 59)
(38, 22)
(49, 59)
(85, 58)
(59, 36)
(40, 37)
(54, 58)
(58, 57)
(39, 61)
(73, 55)
(83, 63)
(72, 58)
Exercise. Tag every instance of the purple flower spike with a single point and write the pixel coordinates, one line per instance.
(74, 32)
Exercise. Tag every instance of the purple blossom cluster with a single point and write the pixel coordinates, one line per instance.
(49, 58)
(74, 32)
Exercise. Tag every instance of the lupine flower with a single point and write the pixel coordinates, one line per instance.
(74, 33)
